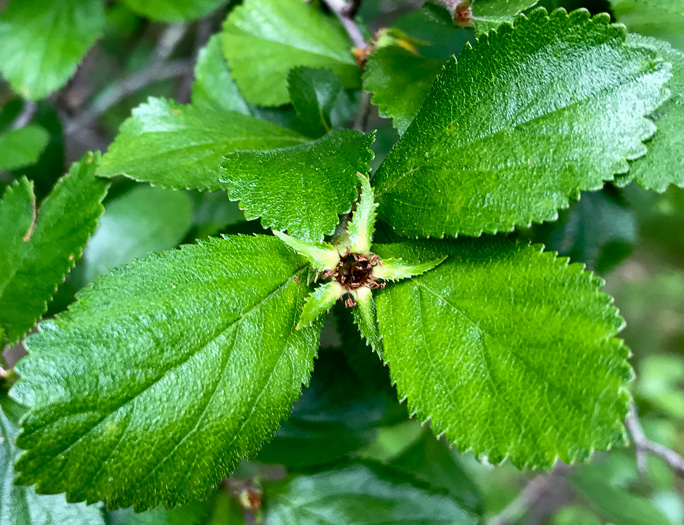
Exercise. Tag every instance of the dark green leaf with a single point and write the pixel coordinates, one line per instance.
(313, 93)
(488, 151)
(174, 10)
(264, 39)
(660, 18)
(202, 362)
(22, 147)
(302, 188)
(42, 42)
(497, 328)
(489, 14)
(38, 248)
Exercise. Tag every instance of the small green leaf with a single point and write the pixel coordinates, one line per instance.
(140, 221)
(396, 269)
(319, 302)
(264, 39)
(500, 327)
(660, 18)
(181, 147)
(362, 226)
(42, 42)
(664, 164)
(399, 81)
(38, 248)
(365, 318)
(313, 93)
(213, 86)
(301, 189)
(202, 363)
(489, 14)
(22, 147)
(360, 494)
(321, 255)
(21, 505)
(488, 151)
(174, 10)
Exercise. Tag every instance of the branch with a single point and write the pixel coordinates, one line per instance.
(644, 445)
(344, 11)
(27, 113)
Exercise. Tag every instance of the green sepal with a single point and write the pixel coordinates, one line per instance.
(397, 269)
(321, 254)
(362, 225)
(318, 302)
(365, 318)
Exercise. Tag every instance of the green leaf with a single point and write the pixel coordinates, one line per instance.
(264, 39)
(321, 255)
(42, 42)
(365, 318)
(496, 329)
(140, 221)
(664, 164)
(313, 93)
(181, 147)
(360, 494)
(319, 302)
(489, 14)
(660, 18)
(21, 505)
(399, 81)
(38, 248)
(173, 10)
(397, 269)
(362, 226)
(213, 86)
(301, 189)
(22, 147)
(202, 364)
(489, 151)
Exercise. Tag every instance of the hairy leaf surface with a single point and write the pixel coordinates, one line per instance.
(489, 14)
(508, 352)
(264, 39)
(39, 247)
(42, 42)
(202, 363)
(528, 117)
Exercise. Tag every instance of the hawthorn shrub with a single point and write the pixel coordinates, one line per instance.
(405, 178)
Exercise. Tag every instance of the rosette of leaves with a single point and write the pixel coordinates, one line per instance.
(168, 371)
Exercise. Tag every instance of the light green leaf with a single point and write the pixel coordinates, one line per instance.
(264, 39)
(202, 363)
(319, 302)
(213, 86)
(140, 221)
(173, 10)
(488, 151)
(38, 248)
(664, 164)
(181, 147)
(660, 18)
(399, 81)
(21, 505)
(313, 93)
(301, 189)
(489, 14)
(321, 255)
(22, 147)
(396, 269)
(365, 318)
(360, 494)
(509, 352)
(362, 226)
(42, 42)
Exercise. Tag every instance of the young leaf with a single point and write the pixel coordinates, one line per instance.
(664, 164)
(319, 302)
(264, 39)
(22, 147)
(42, 42)
(507, 351)
(365, 317)
(140, 221)
(181, 147)
(663, 18)
(21, 505)
(528, 117)
(396, 269)
(360, 494)
(202, 363)
(362, 226)
(399, 81)
(321, 255)
(174, 11)
(301, 189)
(489, 14)
(313, 93)
(213, 86)
(38, 248)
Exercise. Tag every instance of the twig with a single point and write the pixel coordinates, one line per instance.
(168, 41)
(344, 12)
(27, 113)
(644, 445)
(203, 33)
(361, 121)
